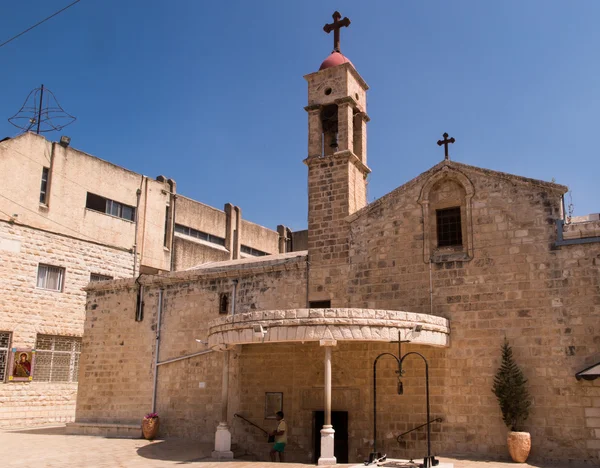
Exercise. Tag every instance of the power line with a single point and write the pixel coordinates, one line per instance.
(37, 24)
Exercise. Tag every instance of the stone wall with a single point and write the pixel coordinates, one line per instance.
(297, 370)
(544, 299)
(27, 311)
(190, 252)
(509, 280)
(115, 344)
(118, 353)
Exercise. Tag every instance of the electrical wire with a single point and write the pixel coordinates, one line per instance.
(37, 24)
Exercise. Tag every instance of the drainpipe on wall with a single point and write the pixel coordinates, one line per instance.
(139, 307)
(307, 283)
(143, 240)
(235, 283)
(138, 194)
(237, 234)
(50, 170)
(430, 289)
(156, 349)
(173, 187)
(228, 209)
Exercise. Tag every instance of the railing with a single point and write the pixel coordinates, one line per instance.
(250, 422)
(419, 427)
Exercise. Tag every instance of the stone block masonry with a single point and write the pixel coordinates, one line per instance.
(26, 311)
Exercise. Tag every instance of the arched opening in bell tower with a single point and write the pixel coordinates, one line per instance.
(329, 125)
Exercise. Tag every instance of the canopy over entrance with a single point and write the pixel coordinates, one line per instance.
(300, 325)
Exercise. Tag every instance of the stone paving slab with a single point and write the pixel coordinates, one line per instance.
(51, 447)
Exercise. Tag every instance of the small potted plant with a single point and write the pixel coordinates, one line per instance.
(513, 397)
(150, 425)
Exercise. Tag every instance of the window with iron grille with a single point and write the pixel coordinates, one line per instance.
(4, 347)
(50, 277)
(57, 358)
(449, 229)
(98, 277)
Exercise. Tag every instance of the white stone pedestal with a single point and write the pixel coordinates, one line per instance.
(222, 442)
(327, 437)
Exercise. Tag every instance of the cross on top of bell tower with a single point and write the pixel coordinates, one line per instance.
(337, 24)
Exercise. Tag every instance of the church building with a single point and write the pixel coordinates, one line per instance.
(438, 272)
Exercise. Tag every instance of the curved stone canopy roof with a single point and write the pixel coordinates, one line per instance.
(300, 325)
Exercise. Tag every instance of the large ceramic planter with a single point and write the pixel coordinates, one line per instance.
(519, 445)
(150, 428)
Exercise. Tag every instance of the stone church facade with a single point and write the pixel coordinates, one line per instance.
(450, 263)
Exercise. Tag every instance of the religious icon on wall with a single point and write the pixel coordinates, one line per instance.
(21, 365)
(273, 403)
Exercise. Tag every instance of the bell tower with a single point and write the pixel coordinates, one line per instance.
(337, 166)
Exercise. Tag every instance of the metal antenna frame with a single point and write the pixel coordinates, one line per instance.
(33, 112)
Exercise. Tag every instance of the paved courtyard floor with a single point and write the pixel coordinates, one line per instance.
(50, 447)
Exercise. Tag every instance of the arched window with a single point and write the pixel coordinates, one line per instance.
(224, 303)
(447, 222)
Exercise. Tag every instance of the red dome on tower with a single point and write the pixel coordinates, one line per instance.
(335, 59)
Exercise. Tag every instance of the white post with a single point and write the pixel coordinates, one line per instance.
(327, 433)
(222, 435)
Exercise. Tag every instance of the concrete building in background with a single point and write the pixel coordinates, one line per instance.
(68, 218)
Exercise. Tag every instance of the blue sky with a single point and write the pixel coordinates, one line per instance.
(212, 95)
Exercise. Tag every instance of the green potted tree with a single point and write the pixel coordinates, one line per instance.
(513, 397)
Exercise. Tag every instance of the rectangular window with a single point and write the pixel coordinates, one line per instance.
(166, 227)
(111, 207)
(320, 304)
(4, 347)
(199, 234)
(449, 228)
(97, 277)
(44, 187)
(50, 277)
(251, 251)
(57, 358)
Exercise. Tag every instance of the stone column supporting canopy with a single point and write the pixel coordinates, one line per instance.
(223, 435)
(327, 433)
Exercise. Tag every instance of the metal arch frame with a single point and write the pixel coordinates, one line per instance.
(428, 460)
